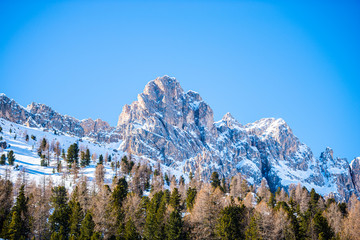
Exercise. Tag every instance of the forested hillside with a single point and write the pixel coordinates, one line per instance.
(143, 203)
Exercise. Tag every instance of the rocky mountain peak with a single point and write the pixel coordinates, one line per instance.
(327, 155)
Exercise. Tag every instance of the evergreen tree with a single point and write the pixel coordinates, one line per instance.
(6, 188)
(130, 231)
(321, 227)
(118, 196)
(20, 225)
(76, 215)
(60, 218)
(215, 181)
(231, 222)
(175, 200)
(174, 226)
(87, 157)
(11, 157)
(252, 230)
(190, 198)
(73, 154)
(155, 210)
(2, 159)
(101, 159)
(87, 227)
(14, 232)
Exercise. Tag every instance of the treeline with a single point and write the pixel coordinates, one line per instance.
(142, 203)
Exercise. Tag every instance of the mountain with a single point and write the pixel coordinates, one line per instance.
(42, 116)
(177, 129)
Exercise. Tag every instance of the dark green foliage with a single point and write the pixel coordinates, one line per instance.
(76, 216)
(174, 226)
(60, 218)
(215, 181)
(190, 198)
(101, 159)
(14, 229)
(73, 154)
(252, 232)
(126, 165)
(6, 188)
(87, 157)
(2, 159)
(321, 227)
(87, 227)
(175, 200)
(20, 222)
(11, 157)
(155, 210)
(343, 208)
(231, 223)
(130, 231)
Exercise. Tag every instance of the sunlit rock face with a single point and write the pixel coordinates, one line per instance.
(177, 128)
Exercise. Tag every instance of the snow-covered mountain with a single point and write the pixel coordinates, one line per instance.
(177, 129)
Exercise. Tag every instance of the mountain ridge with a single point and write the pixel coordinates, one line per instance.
(177, 129)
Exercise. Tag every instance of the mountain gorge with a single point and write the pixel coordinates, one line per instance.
(177, 129)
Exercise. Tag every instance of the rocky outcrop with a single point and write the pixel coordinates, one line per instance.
(355, 172)
(47, 118)
(177, 128)
(12, 111)
(43, 116)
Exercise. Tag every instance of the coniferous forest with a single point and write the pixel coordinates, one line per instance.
(146, 203)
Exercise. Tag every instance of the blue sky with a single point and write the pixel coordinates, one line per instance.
(298, 60)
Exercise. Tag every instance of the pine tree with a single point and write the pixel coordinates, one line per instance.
(101, 159)
(231, 222)
(174, 226)
(20, 225)
(76, 215)
(14, 231)
(190, 198)
(87, 227)
(321, 227)
(87, 157)
(118, 196)
(11, 157)
(60, 218)
(130, 231)
(73, 154)
(215, 181)
(2, 159)
(6, 200)
(252, 230)
(175, 200)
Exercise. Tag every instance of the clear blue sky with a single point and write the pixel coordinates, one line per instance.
(298, 60)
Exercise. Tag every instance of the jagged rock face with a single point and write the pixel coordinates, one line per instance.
(46, 117)
(178, 129)
(336, 172)
(12, 111)
(99, 130)
(165, 123)
(90, 125)
(40, 115)
(355, 172)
